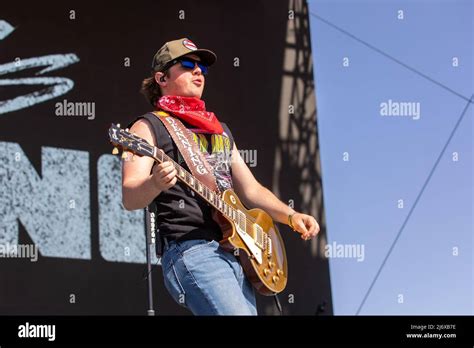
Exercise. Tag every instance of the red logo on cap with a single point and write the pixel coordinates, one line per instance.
(189, 45)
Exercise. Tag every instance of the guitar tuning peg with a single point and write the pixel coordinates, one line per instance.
(115, 151)
(124, 155)
(118, 125)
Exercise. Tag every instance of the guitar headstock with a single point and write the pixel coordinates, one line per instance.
(122, 138)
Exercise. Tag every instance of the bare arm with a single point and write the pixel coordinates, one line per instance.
(254, 195)
(139, 185)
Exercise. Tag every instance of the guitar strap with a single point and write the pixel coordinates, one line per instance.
(194, 158)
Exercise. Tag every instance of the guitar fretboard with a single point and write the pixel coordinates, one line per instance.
(139, 146)
(203, 190)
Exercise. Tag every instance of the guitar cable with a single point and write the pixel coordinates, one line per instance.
(147, 273)
(278, 304)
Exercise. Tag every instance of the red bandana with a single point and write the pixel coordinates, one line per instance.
(193, 111)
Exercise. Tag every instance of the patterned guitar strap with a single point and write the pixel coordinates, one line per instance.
(194, 158)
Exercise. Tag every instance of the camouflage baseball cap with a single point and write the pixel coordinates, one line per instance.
(178, 48)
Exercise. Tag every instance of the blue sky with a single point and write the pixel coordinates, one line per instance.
(430, 268)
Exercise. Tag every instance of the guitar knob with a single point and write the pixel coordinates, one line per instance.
(266, 271)
(115, 151)
(275, 279)
(279, 272)
(271, 264)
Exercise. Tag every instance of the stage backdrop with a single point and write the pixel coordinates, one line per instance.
(67, 71)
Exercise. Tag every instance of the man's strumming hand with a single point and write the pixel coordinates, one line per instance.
(306, 225)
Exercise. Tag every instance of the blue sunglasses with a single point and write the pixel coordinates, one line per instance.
(189, 63)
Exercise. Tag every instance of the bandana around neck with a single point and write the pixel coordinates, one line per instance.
(191, 110)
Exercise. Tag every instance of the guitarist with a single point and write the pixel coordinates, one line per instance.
(198, 274)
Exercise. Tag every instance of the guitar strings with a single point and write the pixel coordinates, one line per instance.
(248, 220)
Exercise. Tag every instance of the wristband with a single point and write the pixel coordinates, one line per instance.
(290, 221)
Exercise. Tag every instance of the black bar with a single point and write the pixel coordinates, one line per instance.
(243, 330)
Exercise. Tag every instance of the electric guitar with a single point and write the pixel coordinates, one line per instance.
(250, 234)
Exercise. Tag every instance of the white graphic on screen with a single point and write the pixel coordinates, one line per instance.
(53, 87)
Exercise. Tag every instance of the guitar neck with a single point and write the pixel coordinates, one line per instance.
(133, 143)
(197, 186)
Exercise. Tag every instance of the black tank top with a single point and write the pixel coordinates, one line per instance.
(182, 214)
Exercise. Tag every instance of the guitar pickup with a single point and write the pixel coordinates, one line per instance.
(269, 247)
(259, 236)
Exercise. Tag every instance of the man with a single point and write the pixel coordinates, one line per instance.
(198, 274)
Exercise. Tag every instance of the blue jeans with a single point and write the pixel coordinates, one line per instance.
(204, 278)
